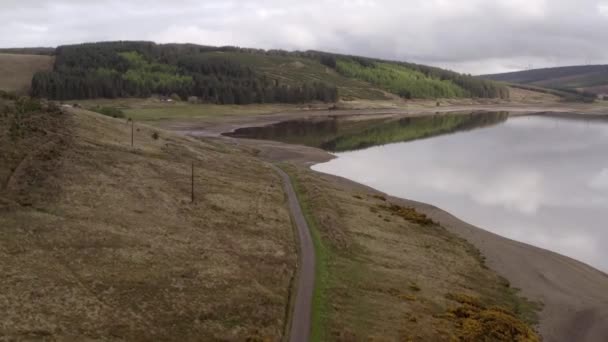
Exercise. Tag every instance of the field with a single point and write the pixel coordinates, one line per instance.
(100, 240)
(17, 70)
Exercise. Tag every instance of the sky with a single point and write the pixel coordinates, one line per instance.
(471, 36)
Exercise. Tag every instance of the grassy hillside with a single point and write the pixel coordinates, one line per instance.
(590, 78)
(100, 241)
(400, 80)
(17, 70)
(230, 75)
(385, 272)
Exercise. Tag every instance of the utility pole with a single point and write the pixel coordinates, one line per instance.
(192, 189)
(131, 132)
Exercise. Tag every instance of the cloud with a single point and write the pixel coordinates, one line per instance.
(600, 180)
(603, 8)
(473, 36)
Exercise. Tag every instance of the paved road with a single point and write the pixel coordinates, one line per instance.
(302, 309)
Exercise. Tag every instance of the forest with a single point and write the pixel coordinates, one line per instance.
(142, 69)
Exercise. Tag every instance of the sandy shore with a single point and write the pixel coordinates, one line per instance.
(575, 295)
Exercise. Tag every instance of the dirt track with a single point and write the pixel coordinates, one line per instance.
(302, 308)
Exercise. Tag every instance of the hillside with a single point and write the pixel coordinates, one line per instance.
(230, 75)
(100, 240)
(17, 70)
(584, 78)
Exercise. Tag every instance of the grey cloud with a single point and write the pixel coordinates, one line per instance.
(468, 35)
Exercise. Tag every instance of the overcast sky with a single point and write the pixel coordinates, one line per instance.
(474, 36)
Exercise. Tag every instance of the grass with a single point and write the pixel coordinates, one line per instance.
(391, 279)
(100, 241)
(154, 111)
(17, 70)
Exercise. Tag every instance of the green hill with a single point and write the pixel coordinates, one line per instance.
(231, 75)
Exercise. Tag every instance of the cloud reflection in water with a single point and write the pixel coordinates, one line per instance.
(539, 180)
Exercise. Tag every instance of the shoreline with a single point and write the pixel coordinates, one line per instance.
(574, 294)
(572, 310)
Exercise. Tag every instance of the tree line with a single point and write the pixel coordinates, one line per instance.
(139, 68)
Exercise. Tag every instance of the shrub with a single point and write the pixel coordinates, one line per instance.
(476, 322)
(155, 136)
(328, 60)
(27, 104)
(410, 214)
(414, 288)
(7, 95)
(109, 111)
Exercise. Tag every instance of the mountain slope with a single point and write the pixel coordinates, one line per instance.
(588, 78)
(230, 75)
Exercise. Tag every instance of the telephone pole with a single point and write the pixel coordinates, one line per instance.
(192, 188)
(131, 132)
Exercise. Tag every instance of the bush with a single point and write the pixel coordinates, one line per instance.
(109, 111)
(7, 95)
(27, 104)
(477, 322)
(410, 214)
(155, 136)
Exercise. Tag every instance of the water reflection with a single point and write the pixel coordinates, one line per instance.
(340, 134)
(539, 180)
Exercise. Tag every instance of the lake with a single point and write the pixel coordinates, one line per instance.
(541, 180)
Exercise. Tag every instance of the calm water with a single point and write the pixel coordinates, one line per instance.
(539, 180)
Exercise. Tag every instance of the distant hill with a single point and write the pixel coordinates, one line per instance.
(17, 70)
(47, 51)
(584, 78)
(232, 75)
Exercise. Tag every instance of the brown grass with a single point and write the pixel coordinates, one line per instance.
(16, 71)
(100, 241)
(532, 97)
(388, 280)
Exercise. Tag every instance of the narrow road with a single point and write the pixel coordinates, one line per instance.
(302, 308)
